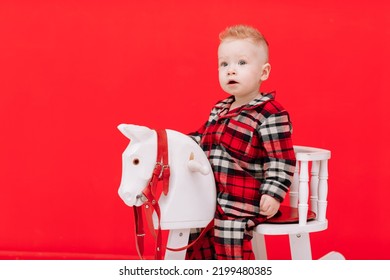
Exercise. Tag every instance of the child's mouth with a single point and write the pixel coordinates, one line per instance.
(232, 82)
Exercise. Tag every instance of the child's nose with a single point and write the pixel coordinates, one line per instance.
(231, 71)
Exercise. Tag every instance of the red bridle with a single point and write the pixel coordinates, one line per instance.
(150, 196)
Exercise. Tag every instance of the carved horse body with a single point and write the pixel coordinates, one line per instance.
(191, 199)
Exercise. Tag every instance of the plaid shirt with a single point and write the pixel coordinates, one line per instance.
(250, 151)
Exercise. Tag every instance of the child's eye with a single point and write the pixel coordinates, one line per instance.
(242, 62)
(223, 64)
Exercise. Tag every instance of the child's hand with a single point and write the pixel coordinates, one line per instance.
(269, 206)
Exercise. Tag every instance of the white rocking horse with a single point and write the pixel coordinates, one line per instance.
(190, 199)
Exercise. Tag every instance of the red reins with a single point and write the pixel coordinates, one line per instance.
(150, 196)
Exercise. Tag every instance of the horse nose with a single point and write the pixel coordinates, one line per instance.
(127, 197)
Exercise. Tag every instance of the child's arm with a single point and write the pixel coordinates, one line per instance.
(198, 134)
(279, 161)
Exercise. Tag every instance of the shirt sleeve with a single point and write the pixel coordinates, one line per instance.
(198, 134)
(279, 162)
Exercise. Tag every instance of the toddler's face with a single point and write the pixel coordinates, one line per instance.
(241, 67)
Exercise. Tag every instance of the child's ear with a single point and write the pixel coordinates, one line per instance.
(266, 69)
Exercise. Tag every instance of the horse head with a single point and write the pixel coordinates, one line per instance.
(192, 192)
(138, 161)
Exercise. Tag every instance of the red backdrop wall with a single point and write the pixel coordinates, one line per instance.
(71, 71)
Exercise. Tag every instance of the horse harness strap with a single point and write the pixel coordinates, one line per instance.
(150, 197)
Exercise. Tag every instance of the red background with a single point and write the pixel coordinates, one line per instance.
(71, 71)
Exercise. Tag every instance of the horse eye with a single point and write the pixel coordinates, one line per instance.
(136, 161)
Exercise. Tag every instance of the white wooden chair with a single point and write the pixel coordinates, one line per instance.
(306, 212)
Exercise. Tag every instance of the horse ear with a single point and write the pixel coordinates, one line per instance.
(135, 133)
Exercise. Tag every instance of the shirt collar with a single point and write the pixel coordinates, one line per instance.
(226, 103)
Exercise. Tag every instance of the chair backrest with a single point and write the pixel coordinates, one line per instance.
(310, 178)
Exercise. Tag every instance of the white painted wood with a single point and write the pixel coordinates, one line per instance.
(314, 186)
(300, 246)
(293, 193)
(259, 246)
(303, 194)
(285, 229)
(333, 256)
(177, 238)
(323, 190)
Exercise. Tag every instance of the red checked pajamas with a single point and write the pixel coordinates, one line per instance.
(251, 153)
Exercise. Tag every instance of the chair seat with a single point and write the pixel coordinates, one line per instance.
(289, 215)
(291, 228)
(286, 222)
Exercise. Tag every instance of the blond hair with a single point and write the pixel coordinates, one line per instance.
(244, 32)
